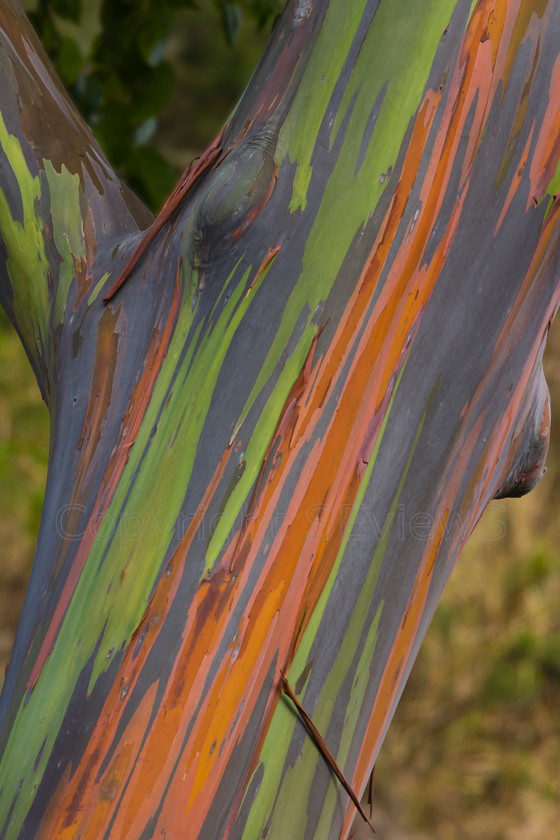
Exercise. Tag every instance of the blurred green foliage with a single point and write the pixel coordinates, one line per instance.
(112, 57)
(24, 440)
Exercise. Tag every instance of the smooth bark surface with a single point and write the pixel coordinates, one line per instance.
(270, 445)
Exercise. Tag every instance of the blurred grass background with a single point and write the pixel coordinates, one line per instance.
(474, 749)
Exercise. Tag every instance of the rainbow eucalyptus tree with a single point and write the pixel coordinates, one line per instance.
(273, 433)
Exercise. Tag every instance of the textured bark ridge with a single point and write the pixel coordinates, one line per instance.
(272, 439)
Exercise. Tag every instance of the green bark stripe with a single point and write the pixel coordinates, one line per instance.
(323, 71)
(27, 263)
(97, 289)
(349, 201)
(67, 230)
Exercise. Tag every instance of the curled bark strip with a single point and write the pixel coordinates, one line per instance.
(323, 749)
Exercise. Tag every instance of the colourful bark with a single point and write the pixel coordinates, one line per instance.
(270, 445)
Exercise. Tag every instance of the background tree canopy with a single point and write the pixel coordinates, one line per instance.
(478, 722)
(121, 59)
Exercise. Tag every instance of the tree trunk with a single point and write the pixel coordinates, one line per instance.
(270, 444)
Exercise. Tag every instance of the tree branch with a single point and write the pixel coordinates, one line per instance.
(60, 201)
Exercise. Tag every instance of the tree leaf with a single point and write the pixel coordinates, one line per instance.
(231, 20)
(69, 62)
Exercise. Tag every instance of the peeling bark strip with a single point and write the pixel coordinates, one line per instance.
(269, 448)
(324, 750)
(185, 183)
